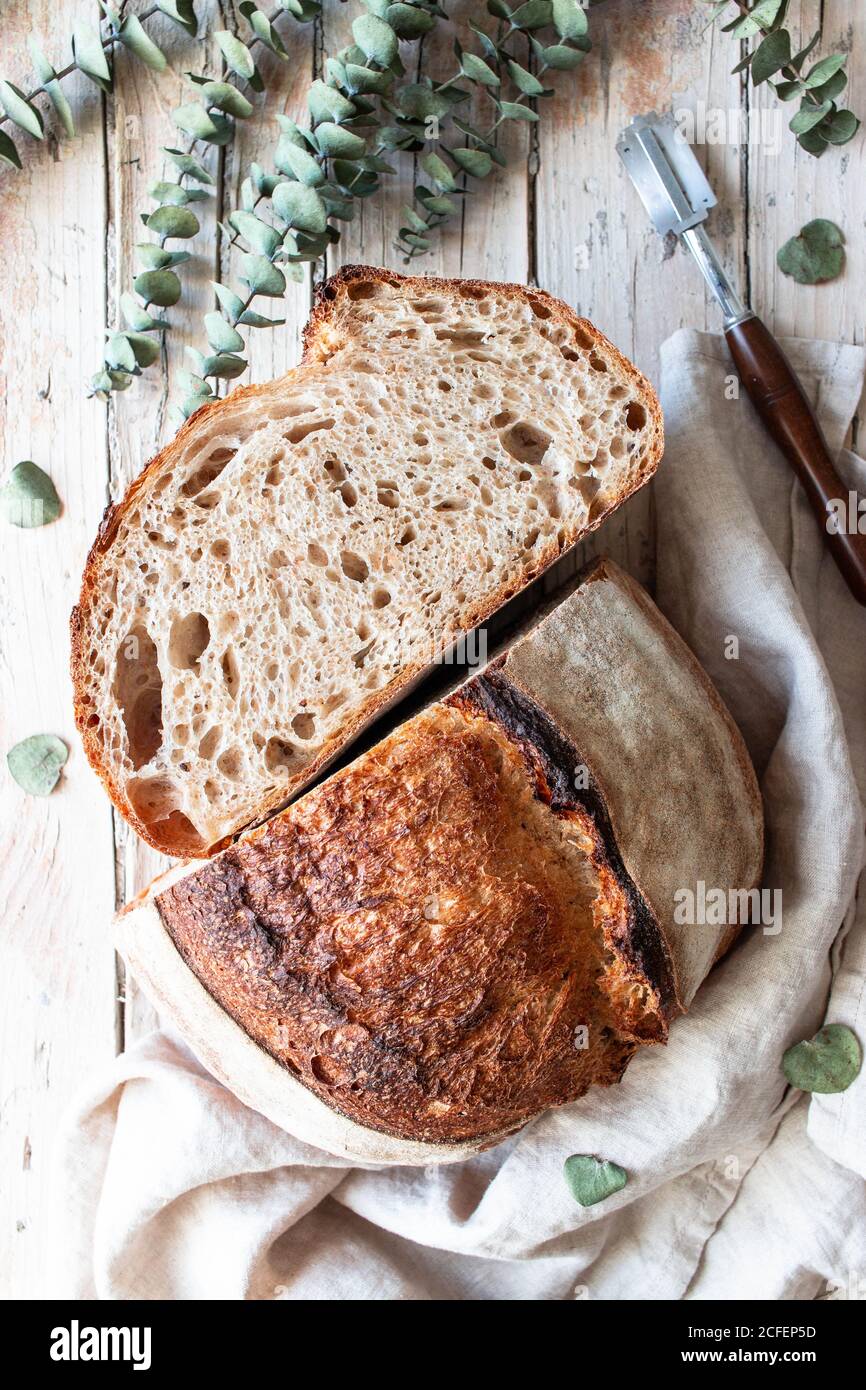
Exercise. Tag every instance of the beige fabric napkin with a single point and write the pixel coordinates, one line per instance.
(738, 1188)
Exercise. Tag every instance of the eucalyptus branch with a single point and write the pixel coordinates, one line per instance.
(209, 121)
(819, 121)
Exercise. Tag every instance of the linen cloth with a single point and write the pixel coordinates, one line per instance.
(738, 1186)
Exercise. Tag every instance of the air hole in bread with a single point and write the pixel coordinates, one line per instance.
(334, 470)
(617, 447)
(316, 554)
(505, 417)
(279, 754)
(531, 538)
(207, 472)
(278, 559)
(353, 566)
(362, 289)
(230, 763)
(188, 639)
(584, 337)
(445, 385)
(304, 725)
(298, 433)
(360, 656)
(526, 443)
(381, 596)
(221, 550)
(597, 362)
(387, 495)
(231, 672)
(461, 337)
(452, 504)
(539, 309)
(208, 500)
(569, 354)
(209, 744)
(152, 798)
(349, 494)
(138, 692)
(409, 535)
(635, 416)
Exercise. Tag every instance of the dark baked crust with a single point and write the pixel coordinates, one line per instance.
(419, 937)
(173, 836)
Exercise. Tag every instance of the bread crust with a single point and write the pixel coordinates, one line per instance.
(331, 297)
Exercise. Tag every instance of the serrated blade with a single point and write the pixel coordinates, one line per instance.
(662, 166)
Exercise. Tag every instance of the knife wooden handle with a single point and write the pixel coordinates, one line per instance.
(781, 403)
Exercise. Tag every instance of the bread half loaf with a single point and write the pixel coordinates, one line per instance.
(474, 920)
(303, 551)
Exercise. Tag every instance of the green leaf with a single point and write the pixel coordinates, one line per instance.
(88, 54)
(188, 165)
(20, 110)
(526, 82)
(182, 12)
(813, 142)
(832, 88)
(158, 287)
(771, 55)
(816, 255)
(36, 762)
(516, 111)
(263, 29)
(336, 140)
(225, 365)
(145, 350)
(194, 120)
(138, 318)
(227, 98)
(562, 58)
(841, 127)
(592, 1180)
(48, 78)
(119, 353)
(477, 70)
(827, 1063)
(236, 54)
(326, 104)
(28, 497)
(300, 164)
(535, 14)
(170, 221)
(254, 320)
(300, 207)
(256, 233)
(409, 21)
(231, 303)
(415, 223)
(570, 19)
(376, 39)
(151, 256)
(475, 162)
(133, 37)
(168, 193)
(220, 334)
(809, 116)
(361, 79)
(8, 152)
(823, 71)
(262, 276)
(439, 172)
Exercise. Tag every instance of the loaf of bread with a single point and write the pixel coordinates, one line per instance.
(475, 920)
(304, 550)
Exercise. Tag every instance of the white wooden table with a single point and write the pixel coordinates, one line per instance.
(563, 216)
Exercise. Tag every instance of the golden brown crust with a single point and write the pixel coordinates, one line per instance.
(418, 939)
(172, 835)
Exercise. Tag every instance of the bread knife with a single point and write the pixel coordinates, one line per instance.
(676, 194)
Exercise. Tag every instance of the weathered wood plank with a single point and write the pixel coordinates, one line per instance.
(56, 869)
(596, 247)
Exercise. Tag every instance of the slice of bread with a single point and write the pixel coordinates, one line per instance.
(303, 551)
(476, 919)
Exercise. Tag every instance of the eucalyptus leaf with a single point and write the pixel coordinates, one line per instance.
(771, 55)
(562, 58)
(20, 110)
(188, 165)
(333, 139)
(809, 116)
(262, 276)
(160, 287)
(816, 255)
(841, 127)
(262, 28)
(438, 170)
(182, 12)
(193, 120)
(132, 35)
(535, 14)
(256, 233)
(138, 319)
(291, 159)
(326, 104)
(376, 39)
(48, 78)
(570, 19)
(8, 152)
(145, 350)
(824, 70)
(591, 1180)
(364, 79)
(192, 384)
(119, 353)
(516, 111)
(254, 320)
(525, 81)
(36, 763)
(170, 221)
(220, 334)
(475, 162)
(165, 192)
(477, 70)
(225, 365)
(236, 53)
(231, 303)
(28, 498)
(89, 54)
(227, 98)
(151, 256)
(300, 206)
(827, 1063)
